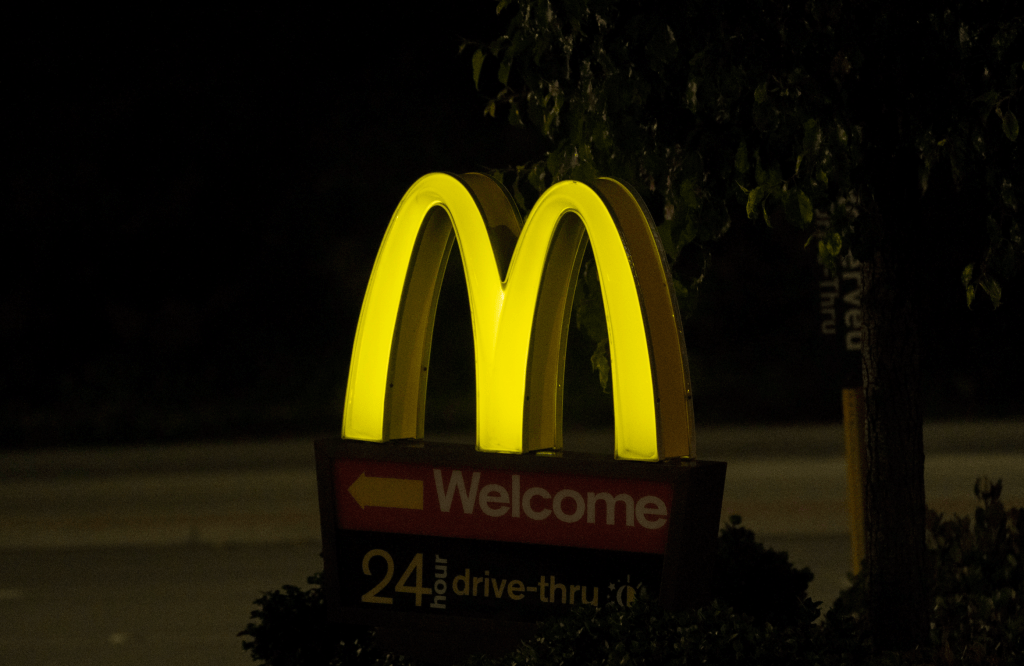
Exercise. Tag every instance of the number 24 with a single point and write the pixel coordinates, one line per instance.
(415, 566)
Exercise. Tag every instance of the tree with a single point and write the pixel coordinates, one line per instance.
(897, 125)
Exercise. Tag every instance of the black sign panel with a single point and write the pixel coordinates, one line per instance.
(486, 579)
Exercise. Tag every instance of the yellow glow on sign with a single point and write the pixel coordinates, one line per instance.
(520, 295)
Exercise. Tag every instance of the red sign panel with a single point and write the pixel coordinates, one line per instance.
(500, 505)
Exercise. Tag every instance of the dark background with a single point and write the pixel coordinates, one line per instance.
(192, 204)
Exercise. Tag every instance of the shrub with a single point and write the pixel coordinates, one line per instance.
(977, 584)
(643, 634)
(761, 613)
(293, 630)
(979, 579)
(757, 581)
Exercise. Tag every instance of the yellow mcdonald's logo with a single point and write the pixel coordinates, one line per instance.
(521, 279)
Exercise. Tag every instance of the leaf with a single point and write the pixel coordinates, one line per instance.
(591, 320)
(688, 194)
(841, 135)
(478, 63)
(665, 233)
(556, 164)
(517, 195)
(761, 94)
(692, 165)
(967, 279)
(967, 276)
(590, 306)
(753, 199)
(742, 163)
(766, 117)
(536, 177)
(1007, 194)
(490, 108)
(600, 364)
(822, 177)
(691, 95)
(557, 97)
(812, 136)
(830, 246)
(806, 209)
(503, 70)
(689, 232)
(957, 151)
(1010, 127)
(514, 119)
(992, 288)
(791, 206)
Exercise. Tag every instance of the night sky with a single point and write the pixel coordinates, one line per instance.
(192, 203)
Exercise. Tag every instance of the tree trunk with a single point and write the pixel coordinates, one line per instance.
(894, 493)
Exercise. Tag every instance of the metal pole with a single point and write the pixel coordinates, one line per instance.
(856, 465)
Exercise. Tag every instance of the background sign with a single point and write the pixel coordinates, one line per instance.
(432, 536)
(840, 297)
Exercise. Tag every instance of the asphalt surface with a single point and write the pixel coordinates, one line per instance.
(139, 606)
(154, 554)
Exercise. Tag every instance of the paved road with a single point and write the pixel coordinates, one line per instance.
(139, 606)
(154, 555)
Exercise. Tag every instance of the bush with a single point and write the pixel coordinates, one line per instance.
(977, 583)
(761, 613)
(293, 630)
(757, 581)
(643, 634)
(979, 579)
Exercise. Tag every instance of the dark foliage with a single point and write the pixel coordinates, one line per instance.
(758, 581)
(977, 583)
(761, 614)
(292, 630)
(979, 579)
(715, 634)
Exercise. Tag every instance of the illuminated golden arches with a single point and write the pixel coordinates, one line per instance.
(520, 297)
